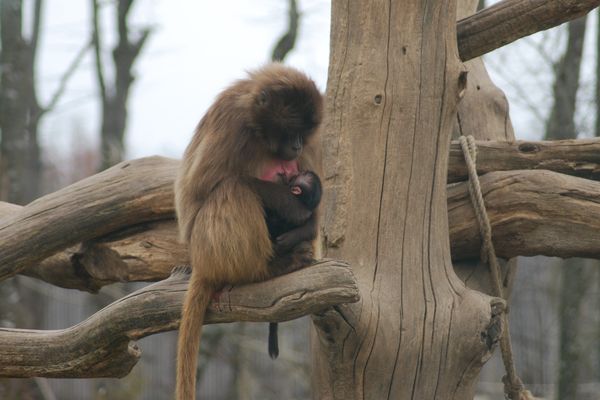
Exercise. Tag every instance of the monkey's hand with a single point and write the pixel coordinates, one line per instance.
(297, 215)
(285, 242)
(290, 239)
(279, 199)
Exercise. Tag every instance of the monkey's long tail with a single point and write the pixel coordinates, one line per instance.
(273, 340)
(192, 318)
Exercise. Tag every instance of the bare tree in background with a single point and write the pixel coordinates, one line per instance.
(575, 272)
(19, 108)
(20, 154)
(287, 42)
(20, 111)
(114, 95)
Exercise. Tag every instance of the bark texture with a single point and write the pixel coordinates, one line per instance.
(418, 332)
(483, 113)
(563, 225)
(102, 345)
(526, 207)
(67, 217)
(571, 157)
(509, 20)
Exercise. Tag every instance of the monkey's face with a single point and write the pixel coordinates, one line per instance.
(307, 186)
(286, 117)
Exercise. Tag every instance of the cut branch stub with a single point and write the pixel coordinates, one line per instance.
(101, 345)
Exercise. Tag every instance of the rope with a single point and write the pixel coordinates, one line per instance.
(513, 386)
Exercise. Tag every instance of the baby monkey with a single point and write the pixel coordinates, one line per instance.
(292, 243)
(306, 186)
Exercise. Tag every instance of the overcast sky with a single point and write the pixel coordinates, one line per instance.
(199, 47)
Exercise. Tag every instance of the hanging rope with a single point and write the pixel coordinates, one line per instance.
(513, 386)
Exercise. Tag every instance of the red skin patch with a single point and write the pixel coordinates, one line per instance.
(277, 167)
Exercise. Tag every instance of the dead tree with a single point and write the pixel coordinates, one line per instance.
(114, 95)
(402, 324)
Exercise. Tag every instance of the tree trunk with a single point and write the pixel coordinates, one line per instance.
(114, 96)
(418, 333)
(561, 123)
(19, 109)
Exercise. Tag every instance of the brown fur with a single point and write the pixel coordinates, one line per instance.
(220, 215)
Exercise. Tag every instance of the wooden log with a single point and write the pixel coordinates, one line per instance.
(531, 213)
(126, 194)
(509, 20)
(102, 345)
(148, 251)
(572, 157)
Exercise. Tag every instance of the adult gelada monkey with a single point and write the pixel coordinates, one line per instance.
(257, 126)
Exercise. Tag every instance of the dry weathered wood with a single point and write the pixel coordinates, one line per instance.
(532, 213)
(392, 91)
(128, 193)
(102, 346)
(572, 157)
(149, 254)
(144, 252)
(509, 20)
(529, 212)
(483, 113)
(129, 256)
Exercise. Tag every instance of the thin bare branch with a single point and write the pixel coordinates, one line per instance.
(70, 71)
(98, 51)
(287, 42)
(35, 34)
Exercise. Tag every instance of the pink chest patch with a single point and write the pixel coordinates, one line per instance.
(276, 167)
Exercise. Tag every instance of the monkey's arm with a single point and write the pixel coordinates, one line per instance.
(288, 240)
(279, 199)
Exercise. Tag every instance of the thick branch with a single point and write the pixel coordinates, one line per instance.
(145, 252)
(526, 208)
(101, 345)
(573, 157)
(124, 216)
(532, 213)
(127, 194)
(509, 20)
